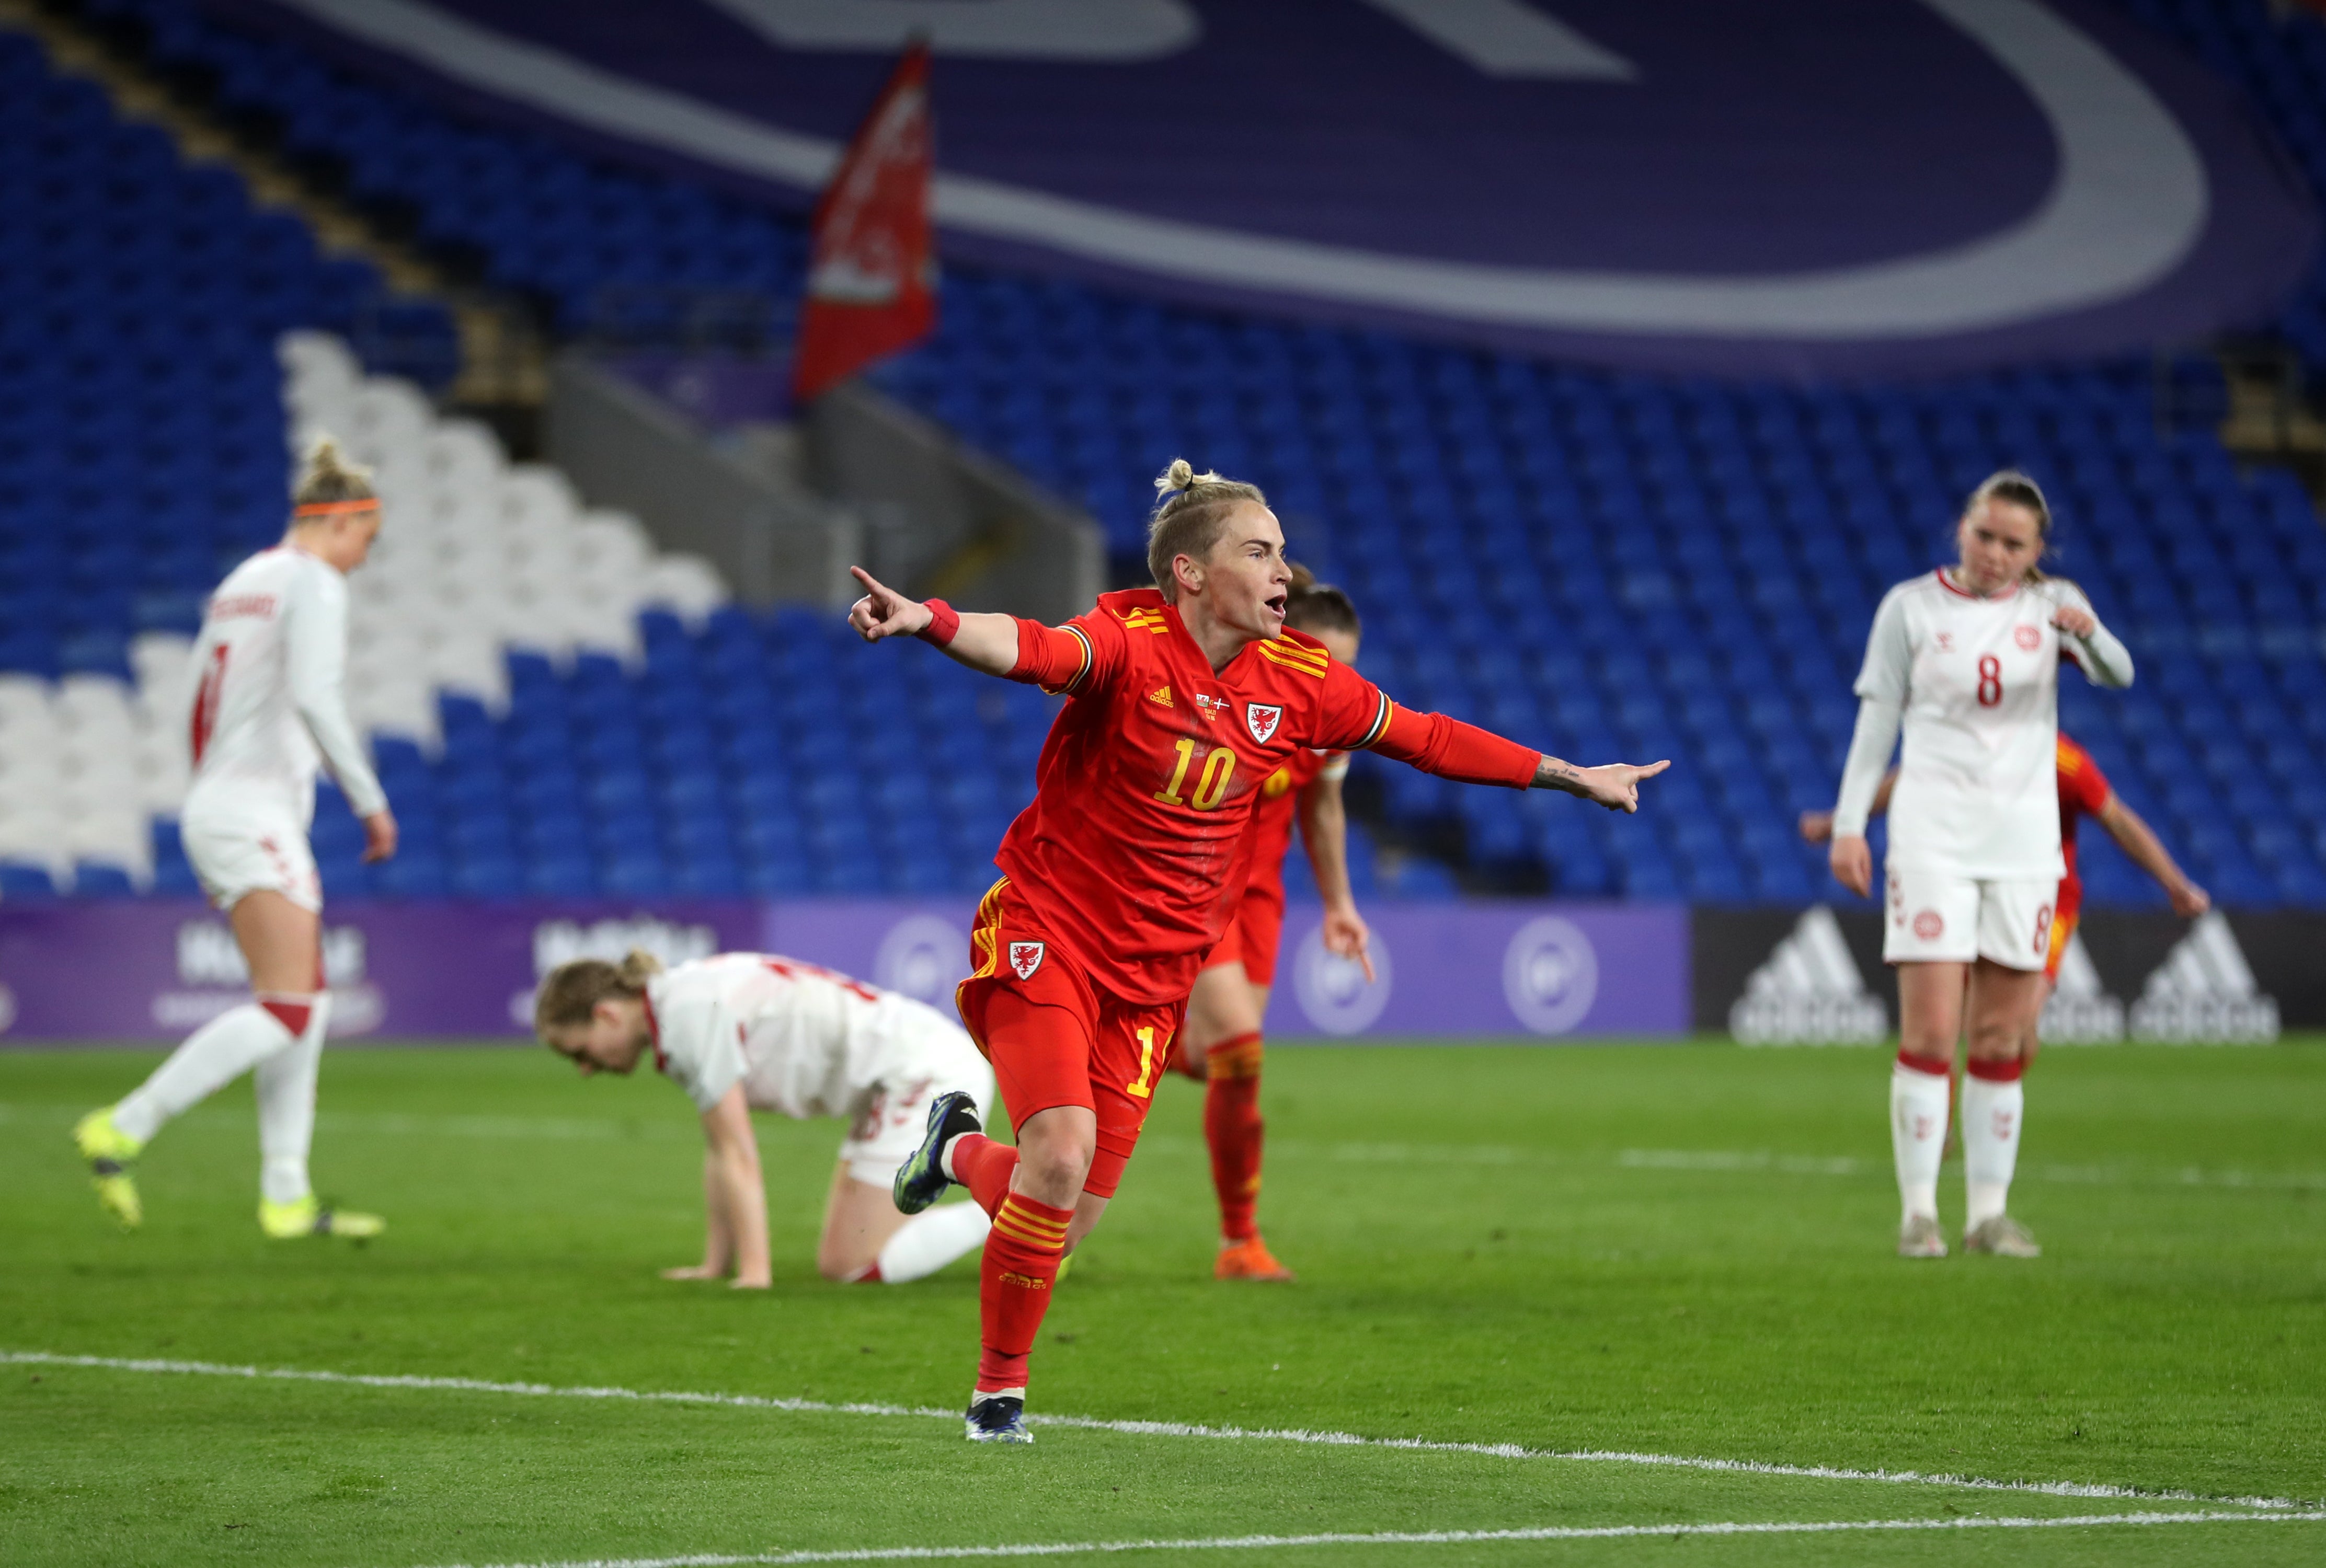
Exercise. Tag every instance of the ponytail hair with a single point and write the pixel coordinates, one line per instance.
(571, 992)
(329, 476)
(2015, 489)
(1191, 512)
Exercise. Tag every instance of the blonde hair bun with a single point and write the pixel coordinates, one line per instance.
(326, 460)
(1182, 475)
(327, 474)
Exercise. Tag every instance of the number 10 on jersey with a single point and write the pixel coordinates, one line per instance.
(1211, 784)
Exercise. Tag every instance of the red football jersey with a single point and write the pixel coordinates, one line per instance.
(2083, 791)
(1135, 851)
(1272, 817)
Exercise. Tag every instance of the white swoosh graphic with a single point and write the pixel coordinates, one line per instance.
(2127, 203)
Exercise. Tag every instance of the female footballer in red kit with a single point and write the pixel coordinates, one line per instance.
(1122, 875)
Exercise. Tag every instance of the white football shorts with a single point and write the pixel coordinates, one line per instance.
(939, 1059)
(247, 846)
(1937, 917)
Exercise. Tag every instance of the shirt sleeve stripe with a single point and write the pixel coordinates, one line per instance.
(1090, 656)
(1381, 723)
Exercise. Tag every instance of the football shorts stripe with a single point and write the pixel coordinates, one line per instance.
(985, 933)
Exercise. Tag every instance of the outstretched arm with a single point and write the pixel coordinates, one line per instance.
(1004, 645)
(983, 641)
(2140, 841)
(1613, 785)
(1324, 829)
(1468, 754)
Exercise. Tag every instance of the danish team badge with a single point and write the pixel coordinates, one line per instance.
(1261, 718)
(1929, 924)
(2028, 639)
(1025, 958)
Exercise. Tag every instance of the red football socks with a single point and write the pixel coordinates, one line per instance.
(1232, 1127)
(984, 1167)
(1020, 1267)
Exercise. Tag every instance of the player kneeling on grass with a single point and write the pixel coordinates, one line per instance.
(744, 1031)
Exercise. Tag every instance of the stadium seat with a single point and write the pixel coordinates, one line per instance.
(594, 717)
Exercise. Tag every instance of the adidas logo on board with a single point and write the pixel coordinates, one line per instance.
(1808, 992)
(2205, 991)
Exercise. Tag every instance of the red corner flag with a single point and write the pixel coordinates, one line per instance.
(871, 279)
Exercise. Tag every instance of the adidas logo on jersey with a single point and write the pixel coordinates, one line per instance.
(2080, 1012)
(1808, 992)
(1162, 695)
(2204, 991)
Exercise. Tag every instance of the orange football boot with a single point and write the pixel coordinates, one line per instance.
(1249, 1260)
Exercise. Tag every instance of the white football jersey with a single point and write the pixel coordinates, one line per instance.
(268, 703)
(1978, 680)
(801, 1040)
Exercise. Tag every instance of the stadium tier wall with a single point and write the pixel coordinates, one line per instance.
(1603, 564)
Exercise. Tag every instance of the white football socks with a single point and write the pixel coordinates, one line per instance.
(931, 1240)
(212, 1057)
(1992, 1111)
(1917, 1137)
(286, 1085)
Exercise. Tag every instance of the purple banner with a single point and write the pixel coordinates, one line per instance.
(158, 970)
(1553, 970)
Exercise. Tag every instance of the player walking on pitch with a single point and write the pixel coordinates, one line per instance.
(745, 1032)
(1221, 1045)
(267, 711)
(1125, 870)
(1968, 658)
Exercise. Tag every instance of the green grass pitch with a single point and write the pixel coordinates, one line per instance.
(1675, 1250)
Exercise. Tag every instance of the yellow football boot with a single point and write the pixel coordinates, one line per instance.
(289, 1221)
(110, 1152)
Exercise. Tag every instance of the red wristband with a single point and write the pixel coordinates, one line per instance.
(943, 622)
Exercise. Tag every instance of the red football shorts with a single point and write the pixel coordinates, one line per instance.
(1056, 1039)
(1254, 935)
(2065, 908)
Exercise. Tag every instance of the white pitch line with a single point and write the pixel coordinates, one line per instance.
(1138, 1428)
(1413, 1538)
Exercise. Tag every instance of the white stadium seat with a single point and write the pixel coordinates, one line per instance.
(477, 556)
